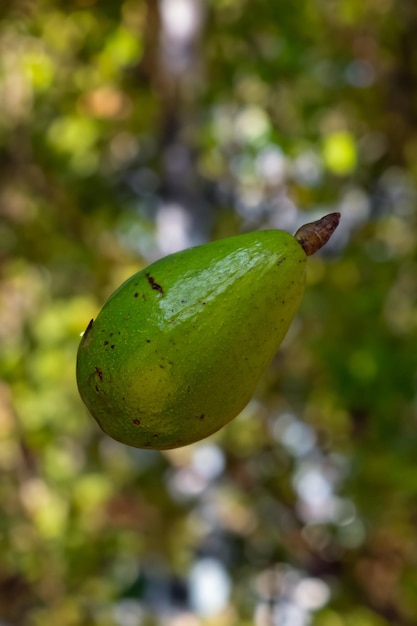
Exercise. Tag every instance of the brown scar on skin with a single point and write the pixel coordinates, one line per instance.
(86, 334)
(154, 284)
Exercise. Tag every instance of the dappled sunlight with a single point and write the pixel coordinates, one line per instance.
(288, 597)
(210, 587)
(129, 131)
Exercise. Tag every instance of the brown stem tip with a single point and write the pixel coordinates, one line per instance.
(314, 235)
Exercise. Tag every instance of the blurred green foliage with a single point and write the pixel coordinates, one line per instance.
(128, 130)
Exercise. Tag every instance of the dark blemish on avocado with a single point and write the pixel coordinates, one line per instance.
(136, 422)
(87, 330)
(201, 417)
(155, 436)
(154, 284)
(182, 301)
(99, 373)
(111, 334)
(204, 303)
(112, 346)
(283, 301)
(86, 338)
(188, 388)
(148, 341)
(103, 330)
(97, 389)
(281, 261)
(106, 343)
(161, 366)
(135, 295)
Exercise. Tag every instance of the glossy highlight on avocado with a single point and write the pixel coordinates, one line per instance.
(178, 349)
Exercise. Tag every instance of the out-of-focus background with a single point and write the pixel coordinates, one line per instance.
(132, 129)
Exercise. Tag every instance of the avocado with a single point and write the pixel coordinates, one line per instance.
(178, 349)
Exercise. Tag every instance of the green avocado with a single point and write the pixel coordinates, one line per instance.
(178, 349)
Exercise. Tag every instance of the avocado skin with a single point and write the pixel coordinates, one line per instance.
(178, 349)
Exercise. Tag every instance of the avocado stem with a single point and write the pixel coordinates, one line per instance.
(314, 235)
